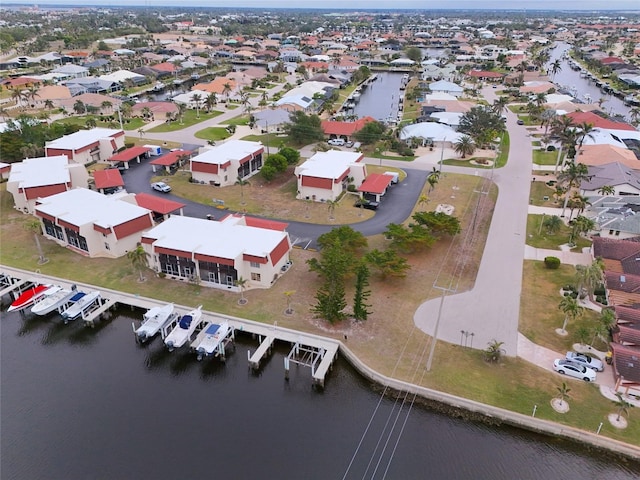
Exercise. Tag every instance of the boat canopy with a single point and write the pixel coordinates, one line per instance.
(213, 328)
(185, 321)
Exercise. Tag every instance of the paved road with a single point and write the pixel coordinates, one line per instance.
(491, 309)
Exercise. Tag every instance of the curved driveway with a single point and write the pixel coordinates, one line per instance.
(491, 309)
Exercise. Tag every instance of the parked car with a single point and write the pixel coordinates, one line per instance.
(368, 204)
(520, 122)
(572, 369)
(336, 142)
(349, 144)
(161, 187)
(586, 360)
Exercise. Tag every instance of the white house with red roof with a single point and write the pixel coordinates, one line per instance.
(224, 164)
(86, 146)
(219, 253)
(36, 178)
(344, 130)
(376, 185)
(327, 174)
(93, 224)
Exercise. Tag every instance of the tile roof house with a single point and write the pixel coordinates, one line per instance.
(344, 130)
(37, 178)
(218, 253)
(597, 121)
(223, 165)
(93, 224)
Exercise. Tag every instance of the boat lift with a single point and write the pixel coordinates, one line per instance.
(304, 355)
(220, 348)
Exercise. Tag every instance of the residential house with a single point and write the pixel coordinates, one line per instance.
(86, 146)
(223, 165)
(36, 178)
(93, 224)
(444, 86)
(326, 175)
(218, 254)
(344, 130)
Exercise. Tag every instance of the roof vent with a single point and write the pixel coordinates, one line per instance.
(623, 279)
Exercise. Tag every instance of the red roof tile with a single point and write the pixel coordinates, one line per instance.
(170, 158)
(597, 121)
(108, 178)
(265, 223)
(129, 154)
(375, 183)
(485, 74)
(157, 204)
(345, 128)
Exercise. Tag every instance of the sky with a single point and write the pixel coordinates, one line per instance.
(368, 4)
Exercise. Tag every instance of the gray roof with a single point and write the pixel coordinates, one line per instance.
(612, 174)
(271, 118)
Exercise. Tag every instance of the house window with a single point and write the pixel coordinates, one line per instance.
(255, 276)
(617, 232)
(255, 265)
(610, 232)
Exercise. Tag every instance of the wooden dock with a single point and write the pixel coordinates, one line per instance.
(320, 351)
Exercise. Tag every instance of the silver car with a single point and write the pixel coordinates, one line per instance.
(586, 360)
(567, 367)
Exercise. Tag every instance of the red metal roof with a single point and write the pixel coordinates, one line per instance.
(108, 178)
(265, 223)
(375, 183)
(129, 154)
(157, 204)
(345, 128)
(170, 158)
(597, 121)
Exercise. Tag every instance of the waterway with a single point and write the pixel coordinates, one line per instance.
(81, 403)
(381, 99)
(572, 79)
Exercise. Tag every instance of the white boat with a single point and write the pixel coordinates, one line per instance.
(209, 340)
(29, 297)
(183, 330)
(51, 301)
(80, 306)
(154, 320)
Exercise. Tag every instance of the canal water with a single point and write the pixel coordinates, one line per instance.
(381, 99)
(81, 403)
(571, 79)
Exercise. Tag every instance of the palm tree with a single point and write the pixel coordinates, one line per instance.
(464, 146)
(79, 107)
(288, 294)
(91, 123)
(622, 406)
(606, 190)
(18, 96)
(423, 200)
(242, 183)
(569, 306)
(433, 178)
(634, 115)
(139, 259)
(181, 109)
(563, 392)
(331, 207)
(35, 227)
(590, 276)
(48, 104)
(241, 283)
(580, 226)
(146, 113)
(494, 351)
(578, 202)
(169, 116)
(555, 67)
(264, 99)
(196, 98)
(500, 104)
(608, 318)
(599, 332)
(552, 224)
(585, 130)
(106, 105)
(226, 90)
(211, 101)
(572, 176)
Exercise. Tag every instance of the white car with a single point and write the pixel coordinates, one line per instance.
(586, 360)
(572, 369)
(161, 187)
(336, 142)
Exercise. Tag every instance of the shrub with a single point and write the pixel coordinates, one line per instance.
(128, 145)
(551, 148)
(552, 262)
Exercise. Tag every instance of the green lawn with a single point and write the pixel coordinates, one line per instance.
(539, 237)
(542, 157)
(241, 120)
(540, 190)
(213, 133)
(271, 140)
(129, 124)
(190, 118)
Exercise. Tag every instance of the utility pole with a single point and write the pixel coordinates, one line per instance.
(435, 330)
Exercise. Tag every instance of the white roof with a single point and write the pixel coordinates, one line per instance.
(600, 136)
(120, 76)
(70, 68)
(330, 164)
(436, 131)
(41, 171)
(229, 238)
(448, 118)
(402, 61)
(231, 150)
(555, 98)
(81, 206)
(308, 89)
(445, 86)
(82, 138)
(438, 96)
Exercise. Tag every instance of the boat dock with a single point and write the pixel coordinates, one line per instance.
(307, 350)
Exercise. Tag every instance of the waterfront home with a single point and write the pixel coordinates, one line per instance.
(87, 146)
(36, 178)
(326, 175)
(224, 164)
(344, 130)
(217, 254)
(93, 224)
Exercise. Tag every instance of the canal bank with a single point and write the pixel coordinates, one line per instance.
(455, 406)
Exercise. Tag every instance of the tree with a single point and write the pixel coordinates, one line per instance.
(622, 406)
(304, 129)
(34, 226)
(362, 293)
(569, 306)
(438, 222)
(606, 190)
(288, 294)
(414, 53)
(352, 241)
(211, 101)
(241, 182)
(196, 99)
(494, 351)
(464, 146)
(608, 318)
(387, 262)
(580, 226)
(268, 172)
(291, 154)
(241, 283)
(139, 259)
(182, 108)
(599, 333)
(482, 124)
(571, 177)
(408, 239)
(331, 208)
(499, 104)
(370, 133)
(555, 67)
(226, 90)
(563, 394)
(79, 107)
(433, 178)
(585, 130)
(91, 122)
(552, 224)
(106, 105)
(590, 277)
(332, 267)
